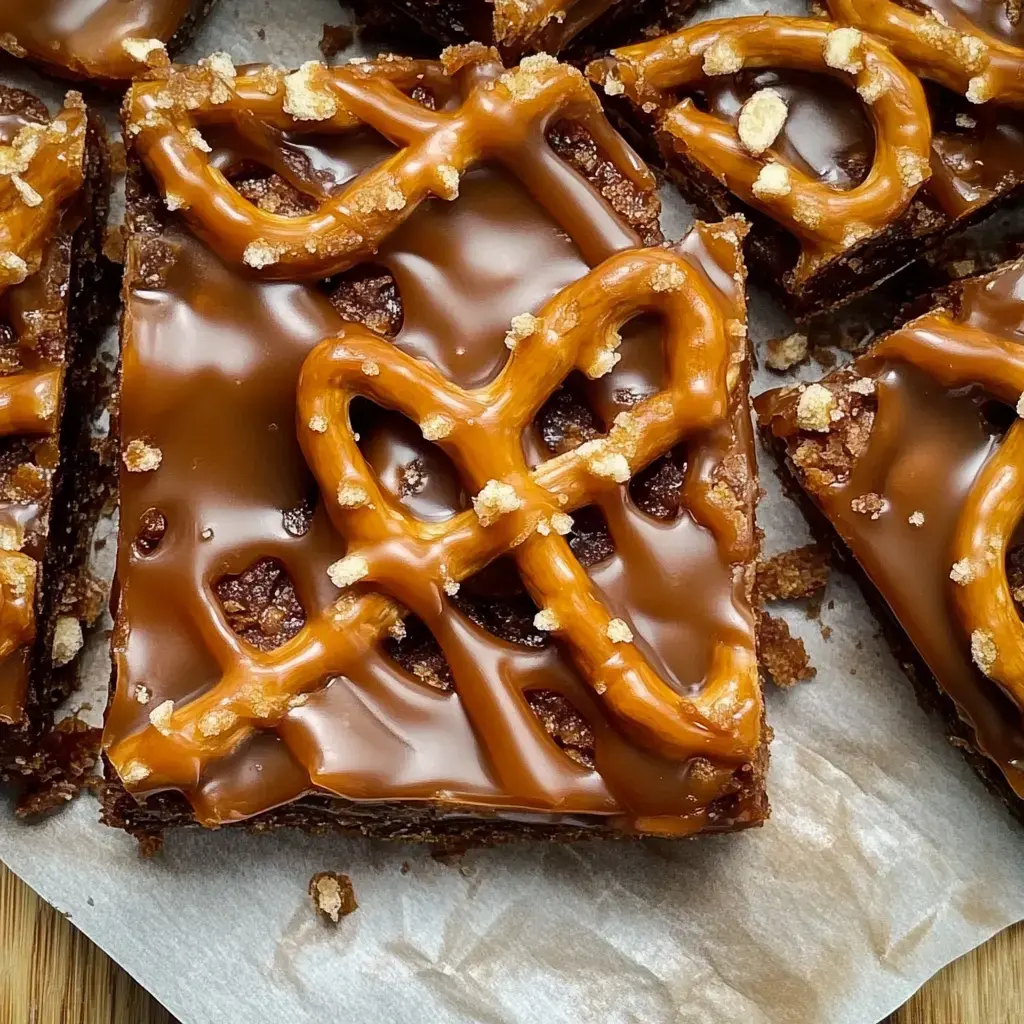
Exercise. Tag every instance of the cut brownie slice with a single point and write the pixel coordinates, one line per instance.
(912, 455)
(108, 40)
(54, 189)
(823, 138)
(476, 567)
(519, 27)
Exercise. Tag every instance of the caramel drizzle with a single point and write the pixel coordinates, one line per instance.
(826, 221)
(41, 169)
(957, 355)
(419, 562)
(503, 113)
(969, 61)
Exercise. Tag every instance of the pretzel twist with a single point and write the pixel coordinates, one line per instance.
(958, 355)
(826, 221)
(955, 52)
(348, 226)
(420, 562)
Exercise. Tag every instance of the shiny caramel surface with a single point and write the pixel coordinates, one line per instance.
(244, 385)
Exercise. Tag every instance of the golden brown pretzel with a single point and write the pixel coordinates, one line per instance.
(438, 146)
(517, 510)
(955, 53)
(826, 221)
(958, 355)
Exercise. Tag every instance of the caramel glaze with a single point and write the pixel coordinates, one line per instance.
(83, 38)
(211, 357)
(927, 445)
(31, 380)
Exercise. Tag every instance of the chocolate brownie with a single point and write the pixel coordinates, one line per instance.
(910, 459)
(813, 116)
(52, 303)
(108, 40)
(575, 28)
(438, 488)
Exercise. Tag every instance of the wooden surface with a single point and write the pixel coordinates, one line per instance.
(51, 974)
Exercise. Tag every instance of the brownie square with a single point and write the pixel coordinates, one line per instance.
(52, 299)
(112, 41)
(908, 460)
(557, 639)
(575, 29)
(974, 159)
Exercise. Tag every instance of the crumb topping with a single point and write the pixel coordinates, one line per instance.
(873, 84)
(913, 168)
(546, 621)
(135, 772)
(150, 52)
(370, 368)
(67, 640)
(984, 650)
(217, 722)
(141, 457)
(619, 632)
(142, 694)
(870, 504)
(305, 97)
(160, 717)
(772, 181)
(979, 89)
(667, 278)
(963, 572)
(561, 523)
(260, 254)
(761, 119)
(318, 423)
(602, 461)
(863, 386)
(814, 408)
(352, 496)
(782, 353)
(348, 570)
(449, 178)
(522, 326)
(722, 58)
(916, 518)
(843, 50)
(436, 427)
(495, 500)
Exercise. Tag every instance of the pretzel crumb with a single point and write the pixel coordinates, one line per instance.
(984, 650)
(855, 233)
(722, 58)
(561, 523)
(196, 140)
(603, 462)
(448, 585)
(150, 52)
(496, 499)
(546, 621)
(397, 630)
(175, 202)
(449, 178)
(862, 386)
(436, 427)
(544, 527)
(605, 360)
(383, 193)
(16, 268)
(782, 353)
(370, 368)
(160, 717)
(870, 504)
(142, 694)
(29, 196)
(522, 326)
(9, 42)
(963, 572)
(141, 457)
(806, 213)
(979, 89)
(12, 537)
(216, 722)
(619, 632)
(667, 278)
(318, 423)
(612, 84)
(352, 496)
(221, 64)
(843, 50)
(348, 570)
(814, 409)
(872, 84)
(916, 518)
(965, 121)
(305, 98)
(134, 773)
(972, 53)
(260, 254)
(913, 168)
(522, 82)
(67, 640)
(772, 181)
(761, 119)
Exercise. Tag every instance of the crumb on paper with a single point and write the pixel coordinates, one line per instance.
(783, 656)
(67, 640)
(784, 353)
(792, 575)
(333, 896)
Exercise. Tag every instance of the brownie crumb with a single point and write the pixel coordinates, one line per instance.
(261, 604)
(783, 655)
(336, 38)
(333, 896)
(792, 575)
(564, 724)
(69, 756)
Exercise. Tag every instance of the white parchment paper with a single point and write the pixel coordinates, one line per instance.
(884, 857)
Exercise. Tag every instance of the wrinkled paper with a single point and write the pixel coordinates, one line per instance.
(884, 858)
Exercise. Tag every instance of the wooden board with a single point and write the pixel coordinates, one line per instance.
(52, 974)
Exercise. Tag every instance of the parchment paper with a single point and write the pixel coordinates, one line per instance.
(884, 857)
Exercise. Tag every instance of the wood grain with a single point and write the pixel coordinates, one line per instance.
(52, 974)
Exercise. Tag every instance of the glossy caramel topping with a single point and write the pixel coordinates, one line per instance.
(433, 504)
(41, 167)
(930, 498)
(826, 220)
(503, 115)
(941, 41)
(108, 39)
